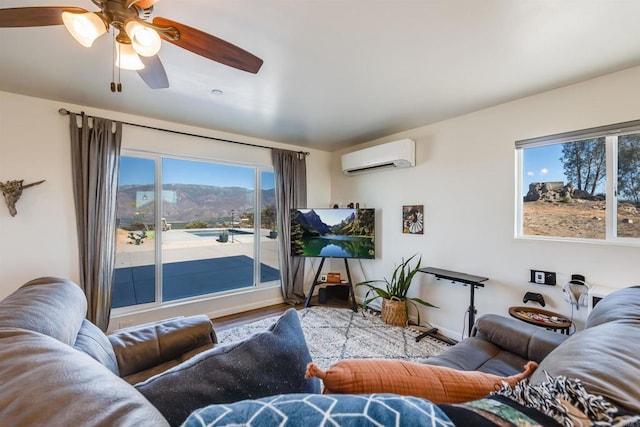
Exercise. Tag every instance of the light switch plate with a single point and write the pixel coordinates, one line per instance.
(543, 277)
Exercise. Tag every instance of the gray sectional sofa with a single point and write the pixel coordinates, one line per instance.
(56, 368)
(605, 356)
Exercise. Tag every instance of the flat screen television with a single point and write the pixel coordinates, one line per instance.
(333, 233)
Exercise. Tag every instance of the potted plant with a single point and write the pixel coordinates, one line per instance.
(223, 237)
(137, 237)
(395, 303)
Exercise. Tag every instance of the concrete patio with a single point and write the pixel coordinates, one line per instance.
(191, 265)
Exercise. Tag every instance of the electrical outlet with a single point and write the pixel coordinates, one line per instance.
(543, 277)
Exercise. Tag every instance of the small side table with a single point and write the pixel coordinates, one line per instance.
(543, 318)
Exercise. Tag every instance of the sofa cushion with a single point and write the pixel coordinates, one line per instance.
(144, 375)
(604, 357)
(47, 383)
(527, 341)
(569, 403)
(95, 343)
(623, 305)
(145, 347)
(51, 306)
(439, 384)
(318, 409)
(477, 354)
(267, 363)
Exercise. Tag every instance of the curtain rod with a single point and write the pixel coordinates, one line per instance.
(65, 112)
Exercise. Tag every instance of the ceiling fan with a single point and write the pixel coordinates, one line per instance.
(137, 40)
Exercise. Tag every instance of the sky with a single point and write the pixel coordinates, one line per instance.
(542, 164)
(141, 171)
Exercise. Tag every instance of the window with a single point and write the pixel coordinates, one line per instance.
(581, 185)
(188, 228)
(628, 206)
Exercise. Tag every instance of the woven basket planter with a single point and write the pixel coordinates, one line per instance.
(394, 312)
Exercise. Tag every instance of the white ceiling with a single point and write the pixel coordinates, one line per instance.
(337, 72)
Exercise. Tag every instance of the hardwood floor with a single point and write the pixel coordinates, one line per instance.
(238, 319)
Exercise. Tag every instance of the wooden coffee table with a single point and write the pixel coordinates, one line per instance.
(544, 318)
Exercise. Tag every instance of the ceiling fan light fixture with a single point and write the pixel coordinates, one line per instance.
(127, 58)
(84, 27)
(146, 41)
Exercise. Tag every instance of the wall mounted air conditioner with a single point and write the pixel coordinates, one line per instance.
(392, 155)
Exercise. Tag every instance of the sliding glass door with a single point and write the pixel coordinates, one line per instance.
(135, 274)
(203, 236)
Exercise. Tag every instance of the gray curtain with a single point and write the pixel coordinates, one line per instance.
(290, 171)
(95, 159)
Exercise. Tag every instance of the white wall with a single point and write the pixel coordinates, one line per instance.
(41, 239)
(465, 178)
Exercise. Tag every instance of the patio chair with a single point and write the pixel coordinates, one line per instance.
(165, 225)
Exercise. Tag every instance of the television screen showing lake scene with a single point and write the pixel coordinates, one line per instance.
(333, 233)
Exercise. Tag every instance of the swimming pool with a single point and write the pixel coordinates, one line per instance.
(215, 233)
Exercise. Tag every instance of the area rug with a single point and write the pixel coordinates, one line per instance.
(334, 334)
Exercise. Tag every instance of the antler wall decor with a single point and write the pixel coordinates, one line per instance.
(12, 190)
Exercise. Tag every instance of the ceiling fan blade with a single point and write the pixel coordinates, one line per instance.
(144, 4)
(211, 47)
(35, 16)
(153, 72)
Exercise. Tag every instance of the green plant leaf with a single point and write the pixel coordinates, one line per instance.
(422, 302)
(399, 284)
(381, 293)
(416, 307)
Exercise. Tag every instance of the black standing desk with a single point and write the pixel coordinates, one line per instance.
(466, 279)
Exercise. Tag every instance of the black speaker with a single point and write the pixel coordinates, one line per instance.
(335, 292)
(322, 295)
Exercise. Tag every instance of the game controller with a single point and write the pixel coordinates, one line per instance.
(532, 296)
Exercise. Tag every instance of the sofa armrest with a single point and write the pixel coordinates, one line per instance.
(527, 341)
(146, 346)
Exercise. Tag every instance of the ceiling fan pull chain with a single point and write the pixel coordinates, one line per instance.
(119, 85)
(113, 62)
(115, 87)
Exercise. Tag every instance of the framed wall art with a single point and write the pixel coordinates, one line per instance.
(413, 219)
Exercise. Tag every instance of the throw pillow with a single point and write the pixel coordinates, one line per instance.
(496, 411)
(607, 365)
(265, 364)
(568, 402)
(328, 410)
(439, 384)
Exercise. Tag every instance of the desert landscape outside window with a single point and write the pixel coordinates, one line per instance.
(581, 185)
(628, 198)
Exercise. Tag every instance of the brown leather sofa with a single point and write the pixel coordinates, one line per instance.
(604, 356)
(58, 369)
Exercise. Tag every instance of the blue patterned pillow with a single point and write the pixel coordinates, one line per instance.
(323, 409)
(265, 364)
